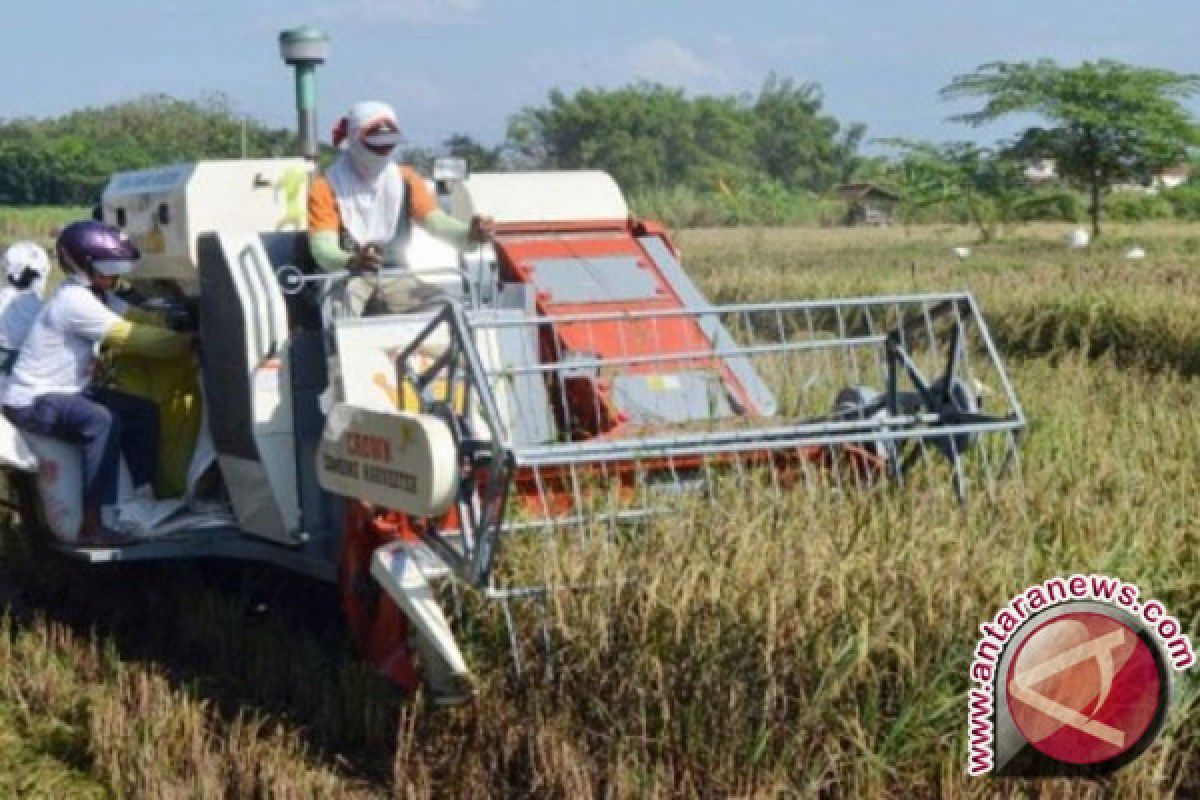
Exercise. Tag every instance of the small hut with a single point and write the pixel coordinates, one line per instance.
(868, 204)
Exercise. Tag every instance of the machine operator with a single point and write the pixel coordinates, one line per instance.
(361, 210)
(51, 391)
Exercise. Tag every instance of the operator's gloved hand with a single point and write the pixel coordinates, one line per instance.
(481, 230)
(366, 258)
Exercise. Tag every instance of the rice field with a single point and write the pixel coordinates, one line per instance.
(776, 647)
(37, 222)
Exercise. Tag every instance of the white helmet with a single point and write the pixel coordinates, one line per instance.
(26, 265)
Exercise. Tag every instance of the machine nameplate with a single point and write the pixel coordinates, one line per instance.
(396, 460)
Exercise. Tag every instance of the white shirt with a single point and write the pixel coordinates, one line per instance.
(58, 354)
(18, 309)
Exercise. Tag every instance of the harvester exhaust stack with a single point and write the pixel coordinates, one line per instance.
(304, 49)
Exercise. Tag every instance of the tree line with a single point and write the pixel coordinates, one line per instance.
(68, 159)
(774, 156)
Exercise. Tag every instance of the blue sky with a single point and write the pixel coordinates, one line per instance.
(464, 65)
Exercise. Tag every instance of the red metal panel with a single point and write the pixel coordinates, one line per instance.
(591, 411)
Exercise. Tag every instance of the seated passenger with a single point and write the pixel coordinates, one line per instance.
(51, 391)
(26, 266)
(361, 210)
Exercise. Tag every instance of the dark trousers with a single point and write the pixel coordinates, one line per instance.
(107, 424)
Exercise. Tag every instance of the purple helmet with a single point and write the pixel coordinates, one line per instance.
(91, 245)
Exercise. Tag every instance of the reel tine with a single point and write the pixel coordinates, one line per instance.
(960, 478)
(952, 355)
(964, 354)
(513, 644)
(547, 643)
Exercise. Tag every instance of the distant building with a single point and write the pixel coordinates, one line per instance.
(1172, 177)
(1169, 178)
(1045, 170)
(1041, 170)
(868, 204)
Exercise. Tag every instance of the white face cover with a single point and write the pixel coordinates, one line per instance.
(361, 119)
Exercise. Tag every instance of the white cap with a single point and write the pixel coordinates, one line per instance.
(26, 255)
(362, 117)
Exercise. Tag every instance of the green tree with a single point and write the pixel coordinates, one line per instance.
(1107, 122)
(986, 185)
(656, 138)
(68, 159)
(947, 175)
(479, 158)
(419, 158)
(641, 134)
(795, 144)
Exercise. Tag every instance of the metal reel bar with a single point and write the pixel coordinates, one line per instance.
(646, 409)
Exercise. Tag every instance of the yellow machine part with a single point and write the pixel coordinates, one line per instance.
(411, 402)
(407, 400)
(173, 386)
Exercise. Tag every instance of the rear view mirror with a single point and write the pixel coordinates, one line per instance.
(450, 170)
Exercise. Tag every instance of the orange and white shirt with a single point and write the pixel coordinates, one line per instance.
(340, 202)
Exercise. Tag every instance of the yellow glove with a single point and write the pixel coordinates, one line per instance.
(151, 341)
(144, 317)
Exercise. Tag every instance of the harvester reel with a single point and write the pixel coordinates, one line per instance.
(871, 457)
(958, 402)
(950, 399)
(512, 387)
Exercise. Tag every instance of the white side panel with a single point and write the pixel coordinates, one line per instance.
(521, 399)
(262, 300)
(166, 208)
(367, 348)
(265, 318)
(540, 197)
(253, 502)
(60, 485)
(273, 427)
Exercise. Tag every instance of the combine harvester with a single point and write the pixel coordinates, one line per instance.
(575, 381)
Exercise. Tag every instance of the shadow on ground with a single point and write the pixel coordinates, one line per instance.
(246, 639)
